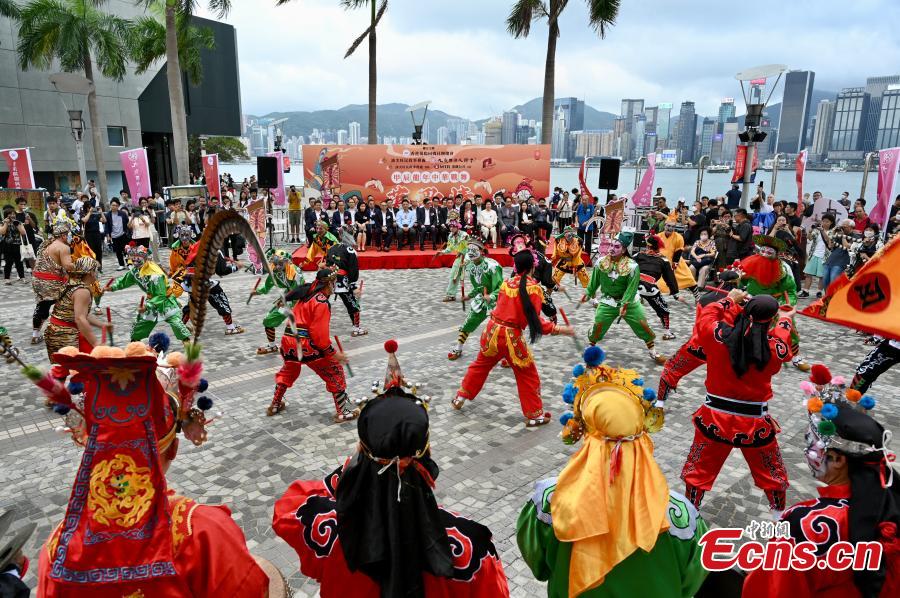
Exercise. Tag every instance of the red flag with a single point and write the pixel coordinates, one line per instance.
(211, 174)
(865, 302)
(582, 184)
(801, 171)
(740, 164)
(18, 161)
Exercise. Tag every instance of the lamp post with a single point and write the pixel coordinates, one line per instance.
(73, 83)
(701, 167)
(637, 170)
(417, 126)
(76, 123)
(775, 163)
(866, 167)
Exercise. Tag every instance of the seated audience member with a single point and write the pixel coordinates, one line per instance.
(487, 222)
(405, 219)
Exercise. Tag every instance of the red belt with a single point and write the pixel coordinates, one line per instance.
(48, 276)
(63, 323)
(648, 278)
(505, 324)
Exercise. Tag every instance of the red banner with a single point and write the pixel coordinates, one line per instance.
(582, 184)
(18, 161)
(740, 164)
(211, 174)
(801, 171)
(137, 173)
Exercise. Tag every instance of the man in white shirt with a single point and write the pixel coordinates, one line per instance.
(487, 220)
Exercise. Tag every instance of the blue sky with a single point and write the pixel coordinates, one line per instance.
(457, 53)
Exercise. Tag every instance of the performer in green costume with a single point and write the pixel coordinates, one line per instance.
(285, 277)
(485, 278)
(457, 241)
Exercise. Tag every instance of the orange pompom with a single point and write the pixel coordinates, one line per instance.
(814, 405)
(69, 351)
(175, 359)
(135, 349)
(853, 395)
(104, 351)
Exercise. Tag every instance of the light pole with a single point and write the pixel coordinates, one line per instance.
(701, 166)
(866, 166)
(76, 123)
(637, 170)
(756, 80)
(417, 126)
(775, 163)
(75, 84)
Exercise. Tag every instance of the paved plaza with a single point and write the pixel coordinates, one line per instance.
(488, 459)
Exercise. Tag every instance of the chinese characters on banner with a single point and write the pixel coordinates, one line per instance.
(644, 193)
(740, 163)
(278, 192)
(137, 173)
(211, 174)
(888, 163)
(18, 161)
(801, 171)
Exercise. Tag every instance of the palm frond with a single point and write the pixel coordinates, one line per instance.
(220, 7)
(9, 9)
(518, 23)
(148, 45)
(602, 15)
(353, 4)
(359, 40)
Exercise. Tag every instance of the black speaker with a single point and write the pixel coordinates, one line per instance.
(267, 171)
(609, 173)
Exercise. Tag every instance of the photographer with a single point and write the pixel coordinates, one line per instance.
(862, 250)
(92, 221)
(817, 250)
(118, 231)
(141, 223)
(740, 238)
(838, 243)
(13, 234)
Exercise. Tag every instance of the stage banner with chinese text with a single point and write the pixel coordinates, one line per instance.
(392, 171)
(137, 173)
(18, 161)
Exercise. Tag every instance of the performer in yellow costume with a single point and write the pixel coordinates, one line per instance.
(672, 249)
(567, 257)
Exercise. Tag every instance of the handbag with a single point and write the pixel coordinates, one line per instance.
(26, 252)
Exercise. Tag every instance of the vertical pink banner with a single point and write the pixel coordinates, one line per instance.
(211, 174)
(278, 193)
(801, 172)
(888, 163)
(18, 160)
(137, 173)
(643, 195)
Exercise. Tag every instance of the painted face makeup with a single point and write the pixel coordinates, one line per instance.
(616, 249)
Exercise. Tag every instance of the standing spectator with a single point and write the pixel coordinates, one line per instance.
(860, 219)
(141, 223)
(584, 213)
(487, 223)
(177, 215)
(740, 239)
(782, 230)
(295, 215)
(543, 228)
(862, 251)
(92, 221)
(701, 257)
(53, 212)
(427, 223)
(566, 211)
(893, 223)
(21, 204)
(733, 197)
(817, 252)
(12, 232)
(118, 231)
(721, 232)
(31, 241)
(192, 217)
(405, 220)
(839, 244)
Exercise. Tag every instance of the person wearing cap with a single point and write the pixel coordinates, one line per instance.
(743, 350)
(284, 278)
(159, 303)
(310, 344)
(517, 311)
(654, 267)
(457, 242)
(567, 257)
(13, 562)
(849, 452)
(610, 525)
(616, 277)
(125, 531)
(71, 322)
(373, 529)
(485, 278)
(54, 261)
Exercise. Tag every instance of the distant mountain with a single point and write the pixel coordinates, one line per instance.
(593, 118)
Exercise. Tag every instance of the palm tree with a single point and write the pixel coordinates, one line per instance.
(148, 44)
(8, 8)
(602, 16)
(373, 61)
(177, 16)
(82, 37)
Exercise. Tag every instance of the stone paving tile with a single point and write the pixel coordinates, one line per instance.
(488, 460)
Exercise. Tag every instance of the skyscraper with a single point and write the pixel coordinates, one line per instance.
(851, 114)
(639, 129)
(354, 133)
(824, 126)
(707, 132)
(729, 140)
(342, 137)
(443, 136)
(492, 131)
(510, 124)
(426, 132)
(663, 118)
(560, 142)
(726, 111)
(889, 119)
(875, 87)
(631, 107)
(573, 112)
(795, 107)
(686, 134)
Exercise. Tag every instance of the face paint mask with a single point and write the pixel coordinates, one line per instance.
(616, 249)
(767, 252)
(670, 229)
(816, 457)
(519, 245)
(474, 254)
(570, 236)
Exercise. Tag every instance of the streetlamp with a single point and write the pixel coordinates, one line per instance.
(866, 167)
(74, 84)
(76, 123)
(701, 167)
(637, 170)
(751, 135)
(775, 163)
(417, 127)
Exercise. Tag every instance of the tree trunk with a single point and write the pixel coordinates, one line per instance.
(373, 80)
(176, 98)
(97, 131)
(549, 81)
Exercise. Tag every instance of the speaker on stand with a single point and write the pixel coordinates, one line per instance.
(267, 178)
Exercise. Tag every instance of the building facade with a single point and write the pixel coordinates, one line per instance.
(707, 132)
(686, 132)
(851, 114)
(824, 127)
(889, 118)
(795, 108)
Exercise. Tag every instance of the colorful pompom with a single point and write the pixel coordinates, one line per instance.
(820, 374)
(594, 356)
(853, 395)
(61, 409)
(102, 351)
(829, 411)
(565, 417)
(75, 388)
(135, 349)
(205, 403)
(159, 342)
(578, 370)
(867, 402)
(814, 405)
(569, 393)
(807, 387)
(638, 381)
(69, 351)
(175, 359)
(649, 394)
(391, 346)
(827, 428)
(203, 385)
(839, 381)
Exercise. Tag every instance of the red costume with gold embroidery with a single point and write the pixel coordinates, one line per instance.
(503, 339)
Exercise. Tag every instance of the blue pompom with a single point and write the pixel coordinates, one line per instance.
(60, 409)
(577, 370)
(569, 393)
(566, 417)
(204, 384)
(594, 356)
(75, 388)
(638, 381)
(159, 341)
(649, 394)
(829, 411)
(205, 403)
(867, 402)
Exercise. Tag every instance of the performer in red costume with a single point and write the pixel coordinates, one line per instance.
(518, 307)
(311, 344)
(746, 353)
(373, 529)
(125, 532)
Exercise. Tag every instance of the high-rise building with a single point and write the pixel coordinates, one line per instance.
(426, 132)
(573, 111)
(651, 113)
(354, 133)
(524, 133)
(560, 142)
(851, 114)
(639, 130)
(663, 119)
(342, 137)
(492, 131)
(715, 153)
(686, 134)
(824, 127)
(729, 140)
(443, 136)
(889, 119)
(726, 111)
(795, 108)
(707, 131)
(510, 123)
(875, 87)
(631, 107)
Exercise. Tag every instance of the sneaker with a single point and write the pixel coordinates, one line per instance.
(120, 268)
(803, 294)
(801, 365)
(454, 354)
(819, 295)
(668, 335)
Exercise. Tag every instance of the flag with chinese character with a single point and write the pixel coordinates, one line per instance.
(582, 184)
(18, 161)
(137, 173)
(865, 302)
(888, 163)
(211, 174)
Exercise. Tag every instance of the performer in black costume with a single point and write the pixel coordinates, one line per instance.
(654, 266)
(342, 258)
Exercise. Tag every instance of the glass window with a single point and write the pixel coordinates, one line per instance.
(117, 136)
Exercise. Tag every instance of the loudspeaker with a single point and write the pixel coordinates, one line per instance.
(609, 173)
(267, 171)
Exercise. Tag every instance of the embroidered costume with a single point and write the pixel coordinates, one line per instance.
(284, 277)
(310, 344)
(485, 277)
(457, 242)
(181, 271)
(654, 267)
(848, 450)
(161, 301)
(567, 257)
(609, 525)
(125, 533)
(343, 260)
(62, 331)
(883, 357)
(48, 279)
(616, 276)
(543, 271)
(321, 242)
(373, 529)
(743, 352)
(672, 249)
